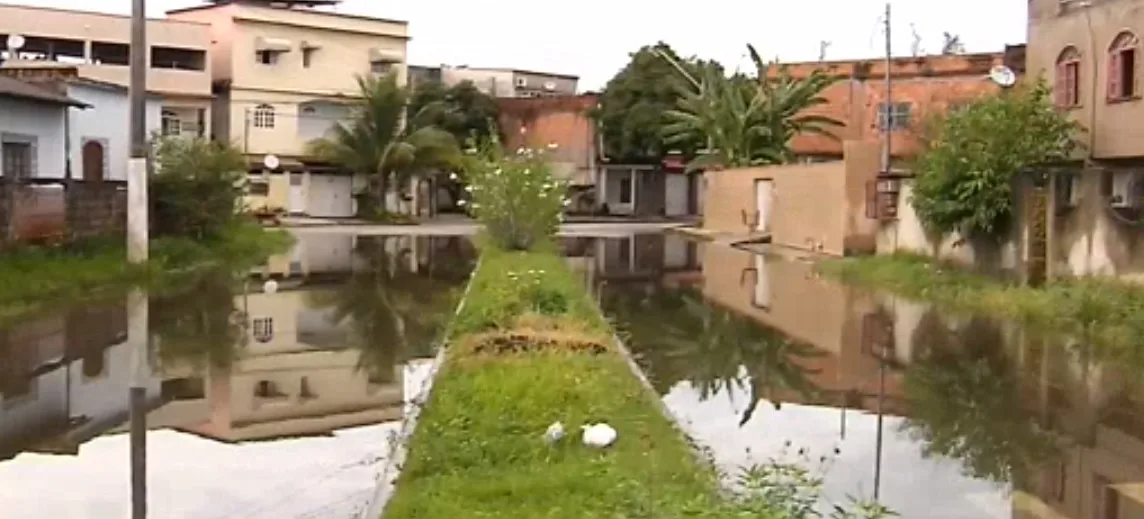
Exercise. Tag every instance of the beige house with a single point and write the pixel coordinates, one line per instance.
(97, 45)
(283, 76)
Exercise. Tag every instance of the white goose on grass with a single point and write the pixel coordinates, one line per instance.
(599, 435)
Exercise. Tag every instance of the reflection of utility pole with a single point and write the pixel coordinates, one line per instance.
(878, 441)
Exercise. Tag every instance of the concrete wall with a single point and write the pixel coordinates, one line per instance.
(105, 122)
(906, 234)
(818, 206)
(43, 126)
(1092, 238)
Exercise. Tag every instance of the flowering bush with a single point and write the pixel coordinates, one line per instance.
(517, 197)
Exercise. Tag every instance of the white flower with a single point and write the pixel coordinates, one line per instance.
(453, 177)
(521, 151)
(553, 145)
(469, 189)
(567, 202)
(462, 203)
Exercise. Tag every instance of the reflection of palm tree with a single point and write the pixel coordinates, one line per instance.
(678, 335)
(394, 313)
(198, 323)
(965, 401)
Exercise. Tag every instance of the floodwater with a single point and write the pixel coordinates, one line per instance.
(285, 414)
(937, 416)
(280, 403)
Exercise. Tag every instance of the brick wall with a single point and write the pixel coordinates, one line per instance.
(96, 209)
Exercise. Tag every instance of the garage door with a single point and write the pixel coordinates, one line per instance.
(331, 196)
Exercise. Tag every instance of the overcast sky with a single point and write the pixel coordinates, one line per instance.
(592, 38)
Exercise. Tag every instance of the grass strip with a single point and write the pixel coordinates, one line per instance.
(1100, 310)
(530, 348)
(32, 278)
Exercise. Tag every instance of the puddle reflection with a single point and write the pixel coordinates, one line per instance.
(260, 404)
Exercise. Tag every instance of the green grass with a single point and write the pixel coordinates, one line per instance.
(32, 278)
(478, 450)
(1106, 311)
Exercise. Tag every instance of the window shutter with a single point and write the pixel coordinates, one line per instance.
(872, 199)
(1060, 85)
(1072, 77)
(1114, 75)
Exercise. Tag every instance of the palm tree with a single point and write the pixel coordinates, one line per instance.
(375, 141)
(747, 120)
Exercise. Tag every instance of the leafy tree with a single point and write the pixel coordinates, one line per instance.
(197, 188)
(746, 120)
(462, 110)
(633, 104)
(965, 173)
(198, 325)
(377, 142)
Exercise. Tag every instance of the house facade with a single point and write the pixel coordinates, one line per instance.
(1090, 53)
(283, 76)
(923, 86)
(500, 82)
(97, 45)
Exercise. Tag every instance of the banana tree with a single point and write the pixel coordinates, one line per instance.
(746, 121)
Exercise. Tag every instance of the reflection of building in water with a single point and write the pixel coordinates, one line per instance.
(638, 258)
(1095, 411)
(840, 321)
(64, 379)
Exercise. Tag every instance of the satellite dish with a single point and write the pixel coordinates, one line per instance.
(1003, 76)
(270, 287)
(15, 42)
(271, 162)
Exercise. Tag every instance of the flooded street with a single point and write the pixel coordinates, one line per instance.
(277, 401)
(284, 413)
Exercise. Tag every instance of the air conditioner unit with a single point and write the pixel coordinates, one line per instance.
(550, 86)
(521, 82)
(1125, 193)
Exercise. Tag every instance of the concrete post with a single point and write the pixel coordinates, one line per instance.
(137, 223)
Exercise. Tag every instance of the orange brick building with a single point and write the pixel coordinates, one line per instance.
(564, 122)
(922, 86)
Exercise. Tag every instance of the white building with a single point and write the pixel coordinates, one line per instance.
(33, 130)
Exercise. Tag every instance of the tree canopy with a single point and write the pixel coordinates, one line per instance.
(965, 173)
(462, 110)
(633, 104)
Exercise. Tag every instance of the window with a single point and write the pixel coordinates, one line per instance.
(1122, 67)
(18, 159)
(307, 57)
(266, 57)
(899, 116)
(264, 116)
(170, 124)
(259, 188)
(263, 329)
(381, 68)
(626, 182)
(1066, 91)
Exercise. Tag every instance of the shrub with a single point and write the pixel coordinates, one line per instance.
(197, 188)
(517, 197)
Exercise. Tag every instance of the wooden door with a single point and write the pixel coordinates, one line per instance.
(93, 161)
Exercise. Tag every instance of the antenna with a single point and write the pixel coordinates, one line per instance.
(822, 47)
(916, 47)
(1003, 76)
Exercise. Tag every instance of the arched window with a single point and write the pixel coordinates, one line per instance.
(1066, 84)
(264, 116)
(1122, 67)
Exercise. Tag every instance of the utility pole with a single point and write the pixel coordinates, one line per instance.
(888, 105)
(138, 332)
